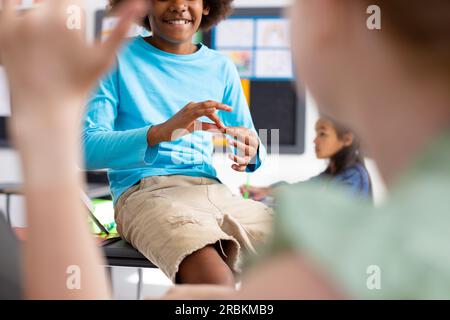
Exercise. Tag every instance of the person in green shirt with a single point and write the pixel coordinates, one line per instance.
(393, 86)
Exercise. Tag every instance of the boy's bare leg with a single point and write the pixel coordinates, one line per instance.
(286, 276)
(205, 266)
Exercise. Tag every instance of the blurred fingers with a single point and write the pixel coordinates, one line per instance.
(205, 126)
(239, 168)
(217, 121)
(242, 161)
(128, 13)
(243, 135)
(242, 148)
(217, 105)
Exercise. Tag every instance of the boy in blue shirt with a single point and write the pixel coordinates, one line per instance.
(168, 201)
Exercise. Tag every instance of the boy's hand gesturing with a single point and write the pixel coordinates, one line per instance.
(246, 142)
(186, 121)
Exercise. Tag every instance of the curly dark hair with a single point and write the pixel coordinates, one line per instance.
(218, 11)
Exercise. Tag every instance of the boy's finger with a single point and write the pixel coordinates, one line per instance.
(244, 135)
(237, 133)
(215, 104)
(224, 107)
(242, 147)
(239, 168)
(239, 160)
(196, 112)
(128, 13)
(217, 121)
(212, 128)
(234, 132)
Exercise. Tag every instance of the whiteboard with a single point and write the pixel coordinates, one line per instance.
(5, 100)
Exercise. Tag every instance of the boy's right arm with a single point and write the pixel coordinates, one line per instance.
(104, 147)
(107, 148)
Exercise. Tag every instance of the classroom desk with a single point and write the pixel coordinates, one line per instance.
(122, 254)
(94, 190)
(117, 251)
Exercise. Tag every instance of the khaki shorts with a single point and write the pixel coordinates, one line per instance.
(168, 218)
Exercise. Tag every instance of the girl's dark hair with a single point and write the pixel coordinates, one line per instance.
(218, 11)
(347, 156)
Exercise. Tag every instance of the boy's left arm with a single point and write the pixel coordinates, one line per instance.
(249, 151)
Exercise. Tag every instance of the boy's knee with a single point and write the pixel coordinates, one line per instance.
(205, 266)
(224, 278)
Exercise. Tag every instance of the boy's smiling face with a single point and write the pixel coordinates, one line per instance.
(176, 21)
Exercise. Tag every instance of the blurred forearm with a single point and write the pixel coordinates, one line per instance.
(51, 69)
(287, 276)
(58, 232)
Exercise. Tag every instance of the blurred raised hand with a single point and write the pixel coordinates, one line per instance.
(47, 61)
(51, 70)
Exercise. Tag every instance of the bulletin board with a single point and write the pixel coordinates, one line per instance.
(257, 40)
(258, 45)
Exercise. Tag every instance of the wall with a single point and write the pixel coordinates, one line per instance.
(289, 168)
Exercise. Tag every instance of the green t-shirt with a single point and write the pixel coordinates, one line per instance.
(398, 250)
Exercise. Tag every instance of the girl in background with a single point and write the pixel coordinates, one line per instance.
(346, 167)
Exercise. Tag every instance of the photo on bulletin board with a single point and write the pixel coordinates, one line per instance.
(226, 31)
(243, 59)
(273, 33)
(263, 38)
(257, 40)
(271, 64)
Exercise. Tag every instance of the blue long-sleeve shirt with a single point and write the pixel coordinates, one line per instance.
(355, 179)
(145, 88)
